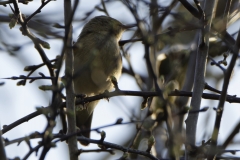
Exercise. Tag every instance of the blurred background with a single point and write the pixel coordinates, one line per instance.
(17, 51)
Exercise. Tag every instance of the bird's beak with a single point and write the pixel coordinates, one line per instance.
(129, 26)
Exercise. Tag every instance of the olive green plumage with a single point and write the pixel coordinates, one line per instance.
(96, 58)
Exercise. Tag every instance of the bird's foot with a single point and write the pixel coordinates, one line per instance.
(114, 82)
(82, 106)
(106, 92)
(80, 96)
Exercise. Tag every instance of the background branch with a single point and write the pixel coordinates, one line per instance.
(70, 96)
(199, 77)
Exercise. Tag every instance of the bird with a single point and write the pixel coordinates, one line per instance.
(97, 58)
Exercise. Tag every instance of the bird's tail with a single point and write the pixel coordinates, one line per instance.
(84, 120)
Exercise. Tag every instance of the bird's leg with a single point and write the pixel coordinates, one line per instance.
(80, 97)
(114, 82)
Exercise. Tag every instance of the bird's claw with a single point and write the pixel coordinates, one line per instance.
(106, 92)
(80, 95)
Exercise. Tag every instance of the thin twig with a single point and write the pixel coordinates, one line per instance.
(230, 99)
(224, 96)
(7, 128)
(118, 147)
(34, 39)
(37, 11)
(2, 148)
(231, 136)
(191, 9)
(217, 64)
(4, 3)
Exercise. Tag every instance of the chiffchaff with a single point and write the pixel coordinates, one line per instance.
(96, 58)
